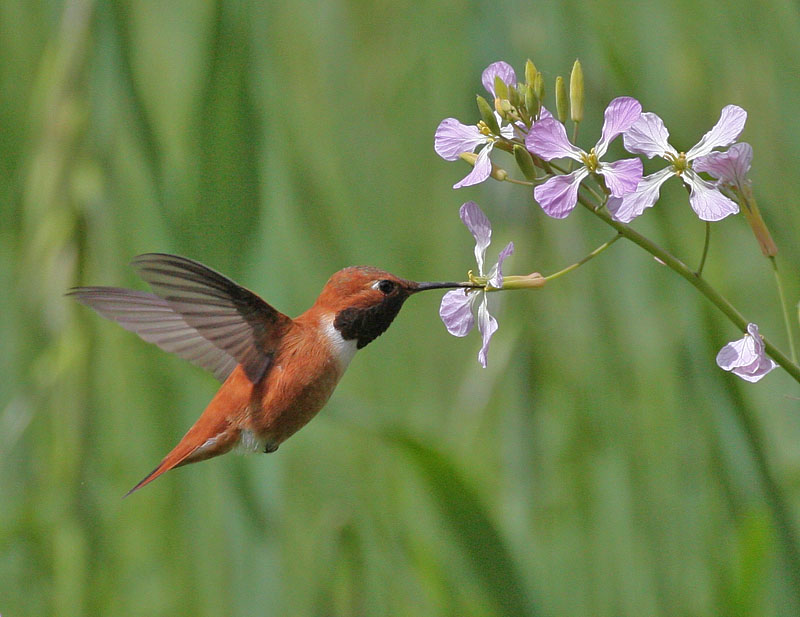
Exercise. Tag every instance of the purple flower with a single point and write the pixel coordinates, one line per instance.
(456, 307)
(729, 167)
(452, 138)
(548, 139)
(746, 357)
(649, 137)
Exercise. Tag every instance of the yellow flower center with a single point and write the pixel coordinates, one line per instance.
(590, 160)
(679, 163)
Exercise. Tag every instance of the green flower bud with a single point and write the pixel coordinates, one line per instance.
(534, 280)
(538, 87)
(500, 88)
(562, 101)
(525, 162)
(487, 115)
(498, 173)
(530, 71)
(513, 95)
(757, 224)
(532, 103)
(576, 92)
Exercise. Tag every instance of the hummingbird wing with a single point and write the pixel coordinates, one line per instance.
(153, 319)
(231, 317)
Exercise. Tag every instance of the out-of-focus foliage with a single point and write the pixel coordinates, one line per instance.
(602, 465)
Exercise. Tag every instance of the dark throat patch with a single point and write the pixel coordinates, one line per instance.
(367, 324)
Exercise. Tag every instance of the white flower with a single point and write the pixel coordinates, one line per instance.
(746, 357)
(457, 305)
(648, 136)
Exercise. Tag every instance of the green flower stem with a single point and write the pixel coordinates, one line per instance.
(780, 509)
(697, 281)
(705, 249)
(513, 181)
(591, 255)
(787, 320)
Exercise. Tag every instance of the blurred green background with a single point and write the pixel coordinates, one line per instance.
(601, 466)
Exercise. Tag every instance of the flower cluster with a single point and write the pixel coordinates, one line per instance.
(629, 192)
(556, 167)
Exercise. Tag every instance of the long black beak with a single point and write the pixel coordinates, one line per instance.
(439, 285)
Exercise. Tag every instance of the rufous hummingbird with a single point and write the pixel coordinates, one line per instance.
(277, 372)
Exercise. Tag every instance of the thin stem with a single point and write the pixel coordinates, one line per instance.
(698, 282)
(514, 181)
(591, 255)
(787, 320)
(574, 141)
(705, 249)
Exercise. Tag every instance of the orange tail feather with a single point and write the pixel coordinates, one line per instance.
(173, 459)
(215, 432)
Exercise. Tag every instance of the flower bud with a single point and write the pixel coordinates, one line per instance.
(532, 103)
(525, 162)
(533, 280)
(514, 95)
(757, 224)
(576, 92)
(487, 115)
(498, 173)
(502, 107)
(562, 101)
(538, 87)
(469, 157)
(500, 88)
(530, 71)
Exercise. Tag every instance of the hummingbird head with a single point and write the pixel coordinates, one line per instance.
(365, 300)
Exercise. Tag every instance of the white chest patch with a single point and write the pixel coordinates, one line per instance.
(249, 442)
(342, 349)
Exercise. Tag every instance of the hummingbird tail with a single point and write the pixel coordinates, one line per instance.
(206, 439)
(172, 460)
(216, 431)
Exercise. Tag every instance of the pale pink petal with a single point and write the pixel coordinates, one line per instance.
(452, 138)
(619, 116)
(622, 176)
(729, 167)
(723, 133)
(758, 342)
(495, 276)
(487, 325)
(480, 228)
(506, 131)
(501, 69)
(648, 136)
(746, 357)
(456, 311)
(480, 171)
(646, 194)
(706, 200)
(730, 355)
(559, 194)
(548, 139)
(756, 371)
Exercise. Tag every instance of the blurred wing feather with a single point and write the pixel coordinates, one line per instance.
(231, 317)
(153, 319)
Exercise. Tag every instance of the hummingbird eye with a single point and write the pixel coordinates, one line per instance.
(385, 286)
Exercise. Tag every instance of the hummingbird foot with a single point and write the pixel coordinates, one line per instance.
(269, 448)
